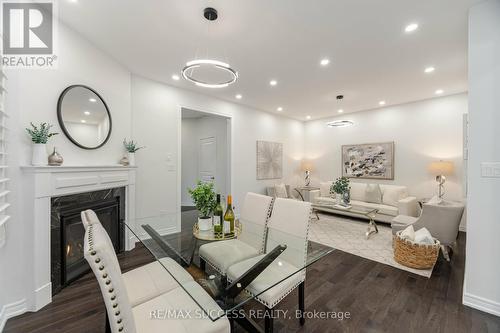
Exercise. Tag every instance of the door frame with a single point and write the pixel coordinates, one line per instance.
(229, 168)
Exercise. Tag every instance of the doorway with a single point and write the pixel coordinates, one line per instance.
(205, 153)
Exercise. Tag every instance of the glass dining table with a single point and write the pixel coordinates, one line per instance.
(155, 234)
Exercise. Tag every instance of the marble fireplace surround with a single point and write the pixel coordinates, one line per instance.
(40, 184)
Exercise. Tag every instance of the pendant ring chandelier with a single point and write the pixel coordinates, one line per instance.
(187, 72)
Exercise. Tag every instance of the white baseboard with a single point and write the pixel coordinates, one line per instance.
(12, 310)
(481, 304)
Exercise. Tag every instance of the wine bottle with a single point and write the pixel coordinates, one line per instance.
(229, 218)
(218, 217)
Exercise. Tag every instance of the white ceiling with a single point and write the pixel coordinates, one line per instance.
(372, 59)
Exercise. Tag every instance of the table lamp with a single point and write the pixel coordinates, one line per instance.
(307, 166)
(441, 169)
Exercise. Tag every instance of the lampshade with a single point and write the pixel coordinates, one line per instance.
(444, 168)
(306, 165)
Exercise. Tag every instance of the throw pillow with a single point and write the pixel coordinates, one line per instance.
(280, 191)
(373, 193)
(358, 191)
(392, 194)
(325, 189)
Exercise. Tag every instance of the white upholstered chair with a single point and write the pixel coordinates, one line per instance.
(254, 217)
(148, 281)
(289, 225)
(129, 311)
(442, 220)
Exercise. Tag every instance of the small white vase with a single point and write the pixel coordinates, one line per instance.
(131, 159)
(39, 157)
(204, 224)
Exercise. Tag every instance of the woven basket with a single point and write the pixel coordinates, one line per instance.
(410, 254)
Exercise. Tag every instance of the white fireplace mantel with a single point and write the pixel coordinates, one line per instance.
(40, 184)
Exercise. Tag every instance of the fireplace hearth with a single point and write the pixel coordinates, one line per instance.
(67, 231)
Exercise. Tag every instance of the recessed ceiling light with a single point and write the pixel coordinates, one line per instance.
(93, 100)
(83, 121)
(87, 113)
(238, 96)
(308, 117)
(340, 111)
(279, 108)
(175, 77)
(74, 1)
(273, 82)
(340, 123)
(429, 69)
(381, 103)
(324, 62)
(411, 27)
(439, 91)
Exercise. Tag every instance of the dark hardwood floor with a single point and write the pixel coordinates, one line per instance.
(378, 297)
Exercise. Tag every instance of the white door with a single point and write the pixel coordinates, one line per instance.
(207, 159)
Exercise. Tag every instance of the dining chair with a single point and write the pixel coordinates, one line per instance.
(147, 316)
(288, 225)
(254, 217)
(148, 281)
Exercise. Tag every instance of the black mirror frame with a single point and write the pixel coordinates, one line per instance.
(61, 122)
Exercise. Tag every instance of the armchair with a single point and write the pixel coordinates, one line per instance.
(442, 221)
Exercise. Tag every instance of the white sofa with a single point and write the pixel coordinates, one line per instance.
(394, 200)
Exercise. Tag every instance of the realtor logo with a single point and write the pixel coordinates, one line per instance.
(28, 34)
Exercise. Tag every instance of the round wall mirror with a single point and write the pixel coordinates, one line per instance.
(84, 117)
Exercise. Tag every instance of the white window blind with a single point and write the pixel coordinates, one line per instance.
(4, 179)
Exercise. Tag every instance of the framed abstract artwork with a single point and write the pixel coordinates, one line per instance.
(370, 161)
(269, 160)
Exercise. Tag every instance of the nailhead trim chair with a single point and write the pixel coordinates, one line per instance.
(222, 254)
(289, 224)
(122, 315)
(159, 281)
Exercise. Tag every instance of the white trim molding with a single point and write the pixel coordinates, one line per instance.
(40, 184)
(481, 304)
(11, 310)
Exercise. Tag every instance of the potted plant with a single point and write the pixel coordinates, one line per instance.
(341, 188)
(131, 148)
(204, 198)
(39, 136)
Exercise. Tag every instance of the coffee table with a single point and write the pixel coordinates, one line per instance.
(334, 208)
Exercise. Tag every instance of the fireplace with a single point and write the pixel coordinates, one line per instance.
(67, 231)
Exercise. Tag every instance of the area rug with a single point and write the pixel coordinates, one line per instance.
(348, 235)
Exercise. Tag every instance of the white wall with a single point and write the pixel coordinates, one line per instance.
(193, 130)
(189, 165)
(33, 96)
(158, 177)
(422, 132)
(482, 271)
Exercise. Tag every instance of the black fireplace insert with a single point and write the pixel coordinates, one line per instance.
(67, 231)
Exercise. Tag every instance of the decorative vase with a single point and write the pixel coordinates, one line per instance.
(39, 157)
(338, 198)
(346, 197)
(205, 223)
(131, 159)
(124, 161)
(55, 159)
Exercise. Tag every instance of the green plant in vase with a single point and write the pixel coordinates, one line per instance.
(204, 198)
(342, 189)
(39, 136)
(131, 148)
